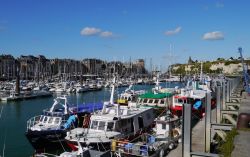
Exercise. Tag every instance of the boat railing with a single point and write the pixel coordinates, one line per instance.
(56, 114)
(33, 121)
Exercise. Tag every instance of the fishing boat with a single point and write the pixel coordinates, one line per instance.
(113, 121)
(159, 98)
(165, 136)
(47, 131)
(195, 95)
(196, 98)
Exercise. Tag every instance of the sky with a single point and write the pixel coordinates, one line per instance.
(163, 31)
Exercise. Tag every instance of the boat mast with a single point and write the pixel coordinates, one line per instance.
(201, 74)
(112, 92)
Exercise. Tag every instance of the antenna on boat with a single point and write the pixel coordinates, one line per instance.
(201, 74)
(112, 92)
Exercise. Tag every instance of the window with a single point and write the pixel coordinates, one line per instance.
(57, 120)
(45, 119)
(145, 100)
(162, 101)
(94, 125)
(180, 101)
(163, 126)
(150, 101)
(101, 125)
(140, 100)
(50, 120)
(41, 118)
(156, 101)
(110, 126)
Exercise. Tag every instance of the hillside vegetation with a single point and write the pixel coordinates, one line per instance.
(218, 66)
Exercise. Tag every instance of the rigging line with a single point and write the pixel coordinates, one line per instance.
(60, 141)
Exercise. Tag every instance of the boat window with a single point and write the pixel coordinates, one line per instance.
(94, 125)
(129, 99)
(150, 101)
(101, 125)
(50, 120)
(41, 118)
(162, 101)
(156, 101)
(45, 119)
(110, 126)
(180, 101)
(145, 100)
(140, 100)
(57, 120)
(163, 126)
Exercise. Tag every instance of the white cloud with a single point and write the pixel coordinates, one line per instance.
(173, 32)
(216, 35)
(90, 31)
(106, 34)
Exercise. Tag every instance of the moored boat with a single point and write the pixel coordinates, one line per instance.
(114, 121)
(47, 131)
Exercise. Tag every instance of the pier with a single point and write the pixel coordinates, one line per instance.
(232, 105)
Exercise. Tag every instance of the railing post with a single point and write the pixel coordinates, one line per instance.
(224, 95)
(218, 104)
(208, 122)
(228, 92)
(186, 130)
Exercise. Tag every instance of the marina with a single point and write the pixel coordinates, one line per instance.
(124, 78)
(119, 121)
(14, 115)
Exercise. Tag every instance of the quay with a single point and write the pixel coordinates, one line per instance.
(232, 111)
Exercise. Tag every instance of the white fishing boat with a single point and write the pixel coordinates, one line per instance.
(114, 121)
(165, 137)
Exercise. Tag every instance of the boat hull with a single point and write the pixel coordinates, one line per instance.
(46, 140)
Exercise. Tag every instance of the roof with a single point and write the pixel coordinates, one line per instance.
(156, 96)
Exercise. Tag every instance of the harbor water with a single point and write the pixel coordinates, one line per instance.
(14, 116)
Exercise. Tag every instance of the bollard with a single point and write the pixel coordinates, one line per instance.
(186, 130)
(218, 104)
(208, 122)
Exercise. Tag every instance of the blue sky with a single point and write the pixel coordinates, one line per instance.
(120, 29)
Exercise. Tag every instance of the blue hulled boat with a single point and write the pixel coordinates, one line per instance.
(47, 131)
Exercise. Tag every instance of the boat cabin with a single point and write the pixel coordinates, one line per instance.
(155, 100)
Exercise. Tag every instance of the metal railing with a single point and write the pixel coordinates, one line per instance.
(33, 121)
